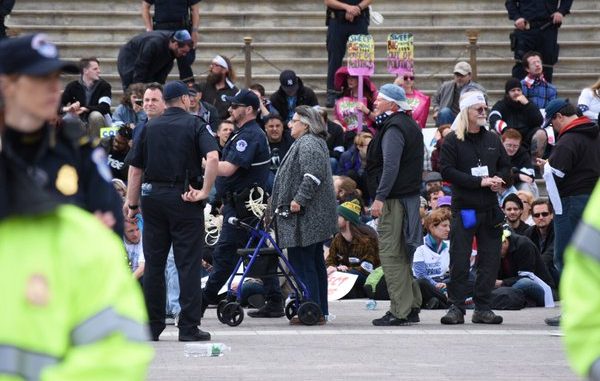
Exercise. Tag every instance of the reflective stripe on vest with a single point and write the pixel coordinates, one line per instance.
(105, 323)
(22, 363)
(587, 240)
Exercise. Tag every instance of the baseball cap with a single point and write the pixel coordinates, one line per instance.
(175, 89)
(33, 54)
(396, 94)
(552, 108)
(462, 68)
(432, 176)
(444, 201)
(288, 79)
(245, 97)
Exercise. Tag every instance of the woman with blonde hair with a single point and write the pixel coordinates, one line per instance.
(527, 199)
(589, 101)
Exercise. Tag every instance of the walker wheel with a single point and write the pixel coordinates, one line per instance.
(290, 309)
(220, 308)
(233, 314)
(309, 313)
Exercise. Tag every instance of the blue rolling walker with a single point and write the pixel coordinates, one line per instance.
(262, 261)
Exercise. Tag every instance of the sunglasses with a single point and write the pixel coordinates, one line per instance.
(237, 105)
(407, 77)
(480, 110)
(543, 214)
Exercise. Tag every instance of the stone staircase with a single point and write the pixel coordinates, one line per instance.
(291, 34)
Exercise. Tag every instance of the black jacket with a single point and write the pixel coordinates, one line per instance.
(546, 248)
(522, 255)
(146, 58)
(102, 91)
(577, 155)
(305, 96)
(217, 98)
(457, 159)
(536, 10)
(524, 118)
(521, 161)
(335, 138)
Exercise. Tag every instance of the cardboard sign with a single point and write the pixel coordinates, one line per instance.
(347, 111)
(361, 54)
(107, 132)
(339, 285)
(401, 53)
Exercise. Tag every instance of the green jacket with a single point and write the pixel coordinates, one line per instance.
(579, 288)
(72, 310)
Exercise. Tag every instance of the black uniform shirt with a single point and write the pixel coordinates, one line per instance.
(171, 145)
(536, 10)
(168, 11)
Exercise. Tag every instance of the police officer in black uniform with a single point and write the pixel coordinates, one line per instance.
(175, 15)
(245, 163)
(59, 158)
(536, 29)
(344, 18)
(170, 153)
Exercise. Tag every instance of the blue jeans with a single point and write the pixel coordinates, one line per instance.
(445, 116)
(334, 165)
(565, 224)
(172, 279)
(531, 290)
(309, 264)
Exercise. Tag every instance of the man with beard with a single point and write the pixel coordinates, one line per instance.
(148, 57)
(516, 111)
(446, 100)
(512, 206)
(117, 148)
(220, 85)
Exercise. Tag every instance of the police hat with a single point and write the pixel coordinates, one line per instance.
(245, 97)
(175, 89)
(32, 55)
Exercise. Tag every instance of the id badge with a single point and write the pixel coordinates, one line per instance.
(480, 171)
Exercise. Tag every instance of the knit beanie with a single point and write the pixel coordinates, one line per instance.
(350, 210)
(511, 84)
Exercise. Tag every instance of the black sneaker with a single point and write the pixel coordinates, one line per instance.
(553, 321)
(200, 335)
(486, 317)
(388, 319)
(413, 316)
(269, 310)
(453, 316)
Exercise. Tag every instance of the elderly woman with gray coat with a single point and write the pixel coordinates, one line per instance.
(304, 184)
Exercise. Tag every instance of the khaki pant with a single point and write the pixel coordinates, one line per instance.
(395, 260)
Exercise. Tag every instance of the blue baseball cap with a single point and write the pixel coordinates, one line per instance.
(245, 97)
(182, 36)
(552, 108)
(33, 54)
(396, 94)
(175, 89)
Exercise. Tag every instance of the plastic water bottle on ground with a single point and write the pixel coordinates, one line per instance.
(205, 349)
(371, 304)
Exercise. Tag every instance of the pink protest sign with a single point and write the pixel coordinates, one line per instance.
(401, 53)
(361, 54)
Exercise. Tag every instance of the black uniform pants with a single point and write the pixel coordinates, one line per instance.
(2, 27)
(543, 41)
(338, 33)
(169, 220)
(489, 240)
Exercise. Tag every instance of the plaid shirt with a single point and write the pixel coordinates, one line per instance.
(539, 92)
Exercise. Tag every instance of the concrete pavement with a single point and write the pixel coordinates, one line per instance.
(350, 348)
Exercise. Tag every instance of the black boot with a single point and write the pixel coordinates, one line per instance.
(272, 309)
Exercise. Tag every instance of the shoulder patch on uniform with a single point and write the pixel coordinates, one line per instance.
(241, 145)
(99, 158)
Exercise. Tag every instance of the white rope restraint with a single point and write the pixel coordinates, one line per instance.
(212, 227)
(256, 202)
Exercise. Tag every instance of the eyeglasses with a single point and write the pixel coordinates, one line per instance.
(515, 146)
(542, 214)
(237, 105)
(407, 77)
(481, 110)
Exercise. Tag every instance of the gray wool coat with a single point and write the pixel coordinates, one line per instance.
(305, 176)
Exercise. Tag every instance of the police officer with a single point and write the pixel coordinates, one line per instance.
(53, 271)
(245, 163)
(344, 18)
(175, 15)
(60, 159)
(536, 29)
(169, 154)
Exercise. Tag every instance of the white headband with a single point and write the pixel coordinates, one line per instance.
(471, 98)
(221, 62)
